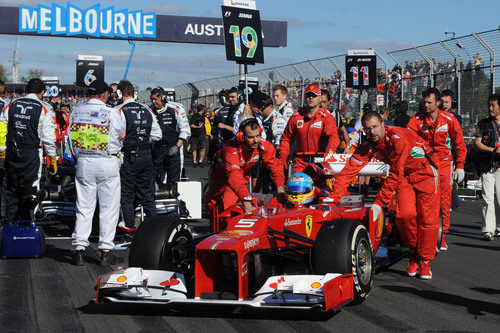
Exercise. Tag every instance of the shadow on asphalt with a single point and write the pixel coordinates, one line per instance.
(466, 226)
(65, 256)
(476, 246)
(473, 306)
(467, 235)
(204, 311)
(488, 291)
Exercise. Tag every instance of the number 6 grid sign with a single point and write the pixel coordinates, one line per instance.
(243, 35)
(361, 69)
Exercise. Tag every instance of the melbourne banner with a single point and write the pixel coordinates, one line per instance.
(112, 23)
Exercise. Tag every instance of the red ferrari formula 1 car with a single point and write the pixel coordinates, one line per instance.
(295, 256)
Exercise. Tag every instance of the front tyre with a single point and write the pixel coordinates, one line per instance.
(344, 246)
(164, 243)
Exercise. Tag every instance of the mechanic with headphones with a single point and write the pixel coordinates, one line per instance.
(25, 124)
(136, 173)
(230, 173)
(167, 152)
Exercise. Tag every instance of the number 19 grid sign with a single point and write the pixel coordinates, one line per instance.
(361, 69)
(243, 35)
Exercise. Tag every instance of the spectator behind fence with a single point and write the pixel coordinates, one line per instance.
(488, 162)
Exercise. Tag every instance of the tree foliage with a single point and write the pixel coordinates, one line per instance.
(33, 73)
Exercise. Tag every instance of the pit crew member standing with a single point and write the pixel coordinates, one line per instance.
(136, 173)
(230, 173)
(411, 175)
(312, 128)
(488, 142)
(326, 103)
(26, 123)
(438, 129)
(167, 152)
(95, 132)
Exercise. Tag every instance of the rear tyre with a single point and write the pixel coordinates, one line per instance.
(163, 243)
(344, 246)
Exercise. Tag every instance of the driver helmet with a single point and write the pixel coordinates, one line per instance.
(300, 188)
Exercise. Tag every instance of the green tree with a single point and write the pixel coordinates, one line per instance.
(33, 73)
(3, 74)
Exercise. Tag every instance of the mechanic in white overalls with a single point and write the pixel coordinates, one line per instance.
(95, 132)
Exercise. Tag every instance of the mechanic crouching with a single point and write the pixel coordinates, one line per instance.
(230, 174)
(136, 173)
(25, 124)
(413, 177)
(167, 152)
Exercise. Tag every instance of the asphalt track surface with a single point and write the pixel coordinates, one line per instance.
(51, 295)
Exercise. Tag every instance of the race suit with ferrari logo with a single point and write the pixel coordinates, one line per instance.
(311, 134)
(230, 174)
(411, 176)
(439, 135)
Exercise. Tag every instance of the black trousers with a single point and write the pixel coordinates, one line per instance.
(20, 192)
(137, 185)
(164, 165)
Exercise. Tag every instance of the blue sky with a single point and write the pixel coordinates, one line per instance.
(315, 29)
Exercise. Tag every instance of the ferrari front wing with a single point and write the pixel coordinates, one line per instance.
(135, 285)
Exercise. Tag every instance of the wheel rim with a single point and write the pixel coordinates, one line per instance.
(364, 261)
(180, 256)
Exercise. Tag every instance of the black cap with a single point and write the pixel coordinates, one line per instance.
(97, 87)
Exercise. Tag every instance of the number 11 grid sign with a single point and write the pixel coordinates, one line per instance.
(361, 69)
(243, 35)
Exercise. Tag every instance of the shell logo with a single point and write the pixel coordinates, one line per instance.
(122, 278)
(315, 285)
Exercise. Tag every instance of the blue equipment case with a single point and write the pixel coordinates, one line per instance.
(23, 239)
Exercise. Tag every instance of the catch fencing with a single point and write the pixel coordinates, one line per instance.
(466, 65)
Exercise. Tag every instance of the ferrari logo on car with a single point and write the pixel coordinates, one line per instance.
(309, 225)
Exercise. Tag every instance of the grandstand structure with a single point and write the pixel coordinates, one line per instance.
(466, 65)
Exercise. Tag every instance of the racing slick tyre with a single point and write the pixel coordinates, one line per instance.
(164, 243)
(343, 246)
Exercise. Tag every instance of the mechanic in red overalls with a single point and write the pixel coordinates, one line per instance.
(413, 178)
(312, 128)
(230, 174)
(439, 129)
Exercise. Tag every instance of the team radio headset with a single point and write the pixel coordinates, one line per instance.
(239, 137)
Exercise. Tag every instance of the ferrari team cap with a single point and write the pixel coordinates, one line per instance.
(314, 89)
(97, 87)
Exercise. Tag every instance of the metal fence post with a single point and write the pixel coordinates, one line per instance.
(431, 65)
(316, 69)
(458, 74)
(342, 79)
(213, 92)
(302, 84)
(492, 60)
(386, 78)
(268, 80)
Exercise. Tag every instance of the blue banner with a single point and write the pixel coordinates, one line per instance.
(115, 23)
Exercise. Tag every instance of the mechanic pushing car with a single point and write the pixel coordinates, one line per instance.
(229, 175)
(439, 128)
(414, 179)
(312, 128)
(26, 123)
